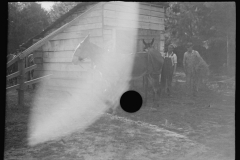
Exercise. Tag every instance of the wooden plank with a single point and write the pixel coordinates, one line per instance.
(79, 34)
(67, 74)
(143, 18)
(127, 4)
(39, 66)
(143, 32)
(13, 87)
(58, 54)
(50, 36)
(127, 23)
(110, 21)
(156, 26)
(89, 20)
(58, 59)
(125, 40)
(13, 61)
(83, 27)
(39, 73)
(126, 9)
(156, 20)
(127, 16)
(66, 66)
(62, 88)
(94, 13)
(30, 68)
(149, 37)
(13, 75)
(158, 9)
(97, 40)
(62, 45)
(60, 82)
(144, 12)
(120, 23)
(144, 25)
(146, 6)
(109, 13)
(157, 14)
(37, 80)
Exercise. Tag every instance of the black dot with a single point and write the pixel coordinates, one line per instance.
(131, 101)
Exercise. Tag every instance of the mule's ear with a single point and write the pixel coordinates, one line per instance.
(152, 42)
(86, 39)
(144, 42)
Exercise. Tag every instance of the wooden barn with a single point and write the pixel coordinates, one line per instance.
(109, 25)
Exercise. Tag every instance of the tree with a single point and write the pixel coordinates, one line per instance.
(204, 23)
(25, 20)
(60, 8)
(187, 21)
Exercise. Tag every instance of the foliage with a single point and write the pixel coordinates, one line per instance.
(208, 24)
(60, 8)
(199, 22)
(25, 20)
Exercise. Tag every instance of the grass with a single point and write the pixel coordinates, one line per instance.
(191, 116)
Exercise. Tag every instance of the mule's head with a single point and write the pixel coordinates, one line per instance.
(157, 59)
(86, 49)
(148, 46)
(82, 51)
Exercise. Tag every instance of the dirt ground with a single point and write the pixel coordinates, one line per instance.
(180, 127)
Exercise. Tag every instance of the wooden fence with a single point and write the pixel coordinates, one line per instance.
(20, 74)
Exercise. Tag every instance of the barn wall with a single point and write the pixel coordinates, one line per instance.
(55, 56)
(102, 24)
(119, 16)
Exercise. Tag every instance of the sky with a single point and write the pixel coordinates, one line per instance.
(47, 5)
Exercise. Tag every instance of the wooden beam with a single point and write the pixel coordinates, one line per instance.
(37, 80)
(13, 61)
(13, 75)
(30, 68)
(13, 87)
(50, 36)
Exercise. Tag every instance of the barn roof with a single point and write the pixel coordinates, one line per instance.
(67, 17)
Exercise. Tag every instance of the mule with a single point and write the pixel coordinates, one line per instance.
(146, 65)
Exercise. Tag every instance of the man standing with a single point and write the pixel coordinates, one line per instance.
(168, 70)
(191, 61)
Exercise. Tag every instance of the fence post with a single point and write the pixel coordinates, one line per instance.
(21, 78)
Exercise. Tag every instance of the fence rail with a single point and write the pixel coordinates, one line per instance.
(13, 75)
(20, 74)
